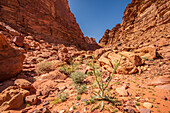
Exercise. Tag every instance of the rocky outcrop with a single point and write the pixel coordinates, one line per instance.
(51, 21)
(145, 22)
(12, 98)
(11, 60)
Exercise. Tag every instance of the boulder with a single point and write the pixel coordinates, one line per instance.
(135, 59)
(148, 52)
(11, 60)
(147, 105)
(31, 99)
(128, 64)
(22, 83)
(44, 87)
(18, 40)
(99, 52)
(12, 98)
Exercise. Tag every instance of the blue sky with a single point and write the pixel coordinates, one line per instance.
(95, 16)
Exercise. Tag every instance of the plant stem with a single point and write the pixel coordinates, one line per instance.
(114, 70)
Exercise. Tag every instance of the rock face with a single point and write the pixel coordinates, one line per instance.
(12, 98)
(11, 60)
(144, 22)
(51, 21)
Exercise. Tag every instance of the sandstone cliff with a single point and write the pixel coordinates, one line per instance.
(51, 20)
(144, 22)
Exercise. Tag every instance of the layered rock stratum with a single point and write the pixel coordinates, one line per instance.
(144, 22)
(51, 21)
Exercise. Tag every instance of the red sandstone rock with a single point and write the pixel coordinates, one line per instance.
(18, 40)
(144, 21)
(31, 99)
(11, 60)
(12, 98)
(51, 21)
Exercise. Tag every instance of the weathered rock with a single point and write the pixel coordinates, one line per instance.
(44, 87)
(165, 86)
(12, 98)
(147, 105)
(135, 59)
(42, 19)
(122, 91)
(99, 52)
(145, 111)
(11, 60)
(144, 21)
(128, 64)
(22, 83)
(54, 75)
(18, 40)
(31, 99)
(160, 81)
(148, 52)
(163, 42)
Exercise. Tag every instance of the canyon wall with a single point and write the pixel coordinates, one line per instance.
(50, 20)
(144, 22)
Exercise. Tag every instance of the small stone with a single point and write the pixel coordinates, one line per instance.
(45, 103)
(71, 109)
(147, 105)
(122, 91)
(85, 109)
(77, 112)
(45, 110)
(31, 99)
(145, 111)
(84, 100)
(77, 104)
(62, 111)
(131, 111)
(164, 98)
(61, 88)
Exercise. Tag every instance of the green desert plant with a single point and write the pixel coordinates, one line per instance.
(78, 97)
(44, 67)
(137, 103)
(102, 94)
(61, 98)
(81, 88)
(90, 73)
(144, 58)
(66, 70)
(28, 105)
(78, 77)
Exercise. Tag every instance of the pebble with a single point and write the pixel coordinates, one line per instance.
(45, 103)
(145, 111)
(147, 105)
(71, 109)
(84, 100)
(164, 98)
(62, 111)
(77, 103)
(85, 109)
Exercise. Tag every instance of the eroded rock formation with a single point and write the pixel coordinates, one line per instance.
(51, 21)
(11, 60)
(144, 22)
